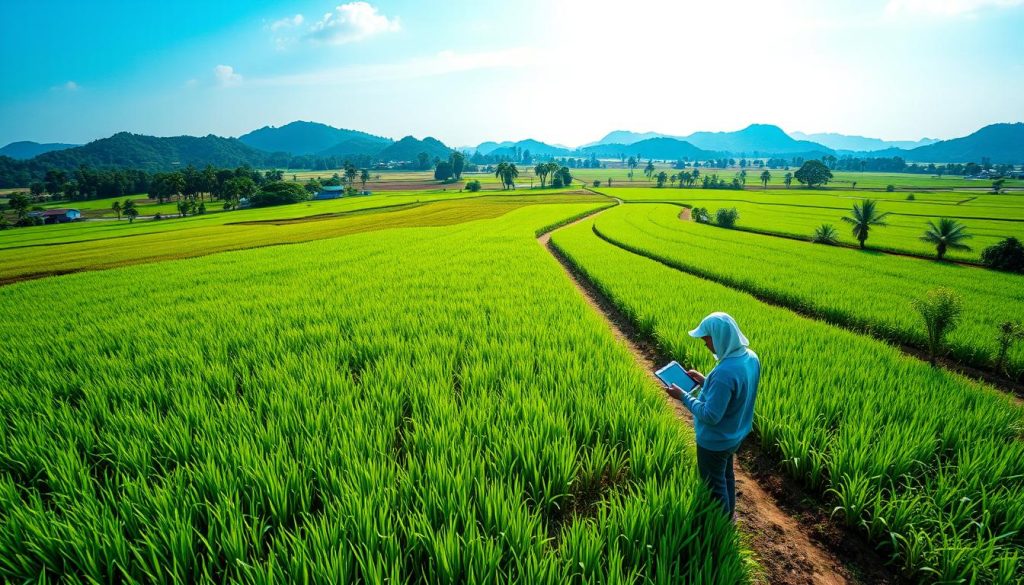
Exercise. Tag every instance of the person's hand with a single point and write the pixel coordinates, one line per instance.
(699, 377)
(674, 391)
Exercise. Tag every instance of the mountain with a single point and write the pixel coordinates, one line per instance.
(304, 138)
(1001, 143)
(356, 146)
(762, 139)
(662, 148)
(536, 148)
(626, 137)
(152, 153)
(26, 149)
(859, 143)
(408, 148)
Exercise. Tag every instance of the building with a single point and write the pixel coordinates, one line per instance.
(330, 192)
(57, 215)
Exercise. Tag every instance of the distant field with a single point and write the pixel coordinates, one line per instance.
(798, 212)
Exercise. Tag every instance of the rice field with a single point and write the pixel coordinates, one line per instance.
(928, 465)
(414, 405)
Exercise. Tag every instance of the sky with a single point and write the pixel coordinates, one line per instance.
(561, 71)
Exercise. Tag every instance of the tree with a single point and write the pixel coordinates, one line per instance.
(865, 215)
(423, 161)
(649, 169)
(350, 175)
(825, 234)
(813, 173)
(1009, 334)
(116, 206)
(364, 176)
(700, 215)
(742, 177)
(661, 178)
(130, 211)
(507, 172)
(36, 189)
(541, 170)
(279, 193)
(19, 203)
(940, 308)
(312, 186)
(443, 170)
(997, 185)
(726, 217)
(631, 164)
(565, 176)
(1007, 255)
(788, 179)
(947, 234)
(765, 177)
(458, 161)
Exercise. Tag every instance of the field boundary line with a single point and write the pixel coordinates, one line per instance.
(1003, 383)
(779, 533)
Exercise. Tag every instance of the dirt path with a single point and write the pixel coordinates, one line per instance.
(783, 545)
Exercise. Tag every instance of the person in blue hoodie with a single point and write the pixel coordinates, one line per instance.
(723, 411)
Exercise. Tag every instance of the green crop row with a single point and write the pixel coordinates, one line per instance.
(865, 291)
(428, 405)
(929, 464)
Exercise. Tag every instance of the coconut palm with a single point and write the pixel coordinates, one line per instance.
(765, 177)
(364, 176)
(541, 170)
(825, 234)
(865, 215)
(947, 234)
(116, 206)
(499, 172)
(511, 173)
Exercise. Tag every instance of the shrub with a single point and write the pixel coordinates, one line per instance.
(890, 188)
(911, 197)
(825, 234)
(700, 215)
(597, 183)
(279, 193)
(1009, 334)
(940, 308)
(726, 217)
(557, 182)
(1007, 255)
(473, 186)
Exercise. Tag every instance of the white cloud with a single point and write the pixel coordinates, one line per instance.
(442, 63)
(351, 22)
(226, 75)
(71, 86)
(946, 7)
(287, 22)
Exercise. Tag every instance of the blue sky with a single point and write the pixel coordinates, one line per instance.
(561, 71)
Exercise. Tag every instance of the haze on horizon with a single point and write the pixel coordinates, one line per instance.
(566, 72)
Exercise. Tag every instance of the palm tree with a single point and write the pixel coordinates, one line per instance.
(825, 234)
(499, 172)
(541, 170)
(649, 169)
(511, 173)
(947, 234)
(350, 175)
(865, 214)
(765, 177)
(788, 179)
(364, 176)
(116, 206)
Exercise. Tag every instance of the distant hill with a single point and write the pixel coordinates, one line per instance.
(1001, 143)
(661, 148)
(859, 143)
(356, 146)
(26, 149)
(490, 146)
(626, 137)
(536, 148)
(763, 139)
(408, 148)
(305, 138)
(153, 154)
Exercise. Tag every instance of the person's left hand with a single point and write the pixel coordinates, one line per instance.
(674, 391)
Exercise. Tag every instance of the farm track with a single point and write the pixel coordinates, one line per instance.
(791, 533)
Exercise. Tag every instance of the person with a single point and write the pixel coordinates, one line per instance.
(723, 412)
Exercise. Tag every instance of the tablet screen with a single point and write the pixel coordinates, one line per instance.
(674, 373)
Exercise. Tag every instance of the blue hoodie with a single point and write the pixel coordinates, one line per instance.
(724, 412)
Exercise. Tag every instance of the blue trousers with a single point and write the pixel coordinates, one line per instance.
(715, 468)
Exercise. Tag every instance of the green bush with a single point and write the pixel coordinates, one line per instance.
(1007, 255)
(279, 193)
(726, 217)
(890, 188)
(473, 186)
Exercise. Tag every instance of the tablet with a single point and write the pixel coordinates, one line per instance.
(674, 373)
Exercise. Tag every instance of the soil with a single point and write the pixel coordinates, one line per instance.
(791, 534)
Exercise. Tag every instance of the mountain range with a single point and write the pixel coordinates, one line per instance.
(860, 143)
(269, 146)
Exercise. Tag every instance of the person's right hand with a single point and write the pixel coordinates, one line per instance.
(699, 377)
